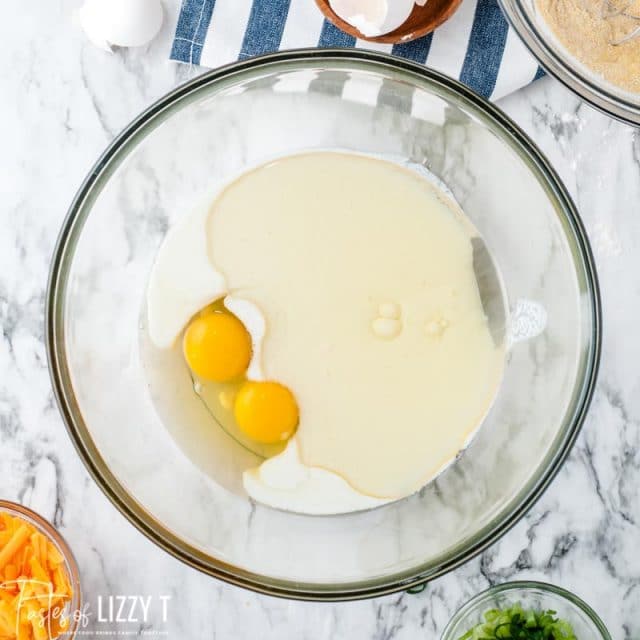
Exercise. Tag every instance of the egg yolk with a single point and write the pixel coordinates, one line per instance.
(217, 346)
(266, 411)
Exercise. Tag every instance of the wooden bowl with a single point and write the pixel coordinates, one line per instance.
(423, 20)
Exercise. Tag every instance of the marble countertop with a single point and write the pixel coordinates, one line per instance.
(63, 101)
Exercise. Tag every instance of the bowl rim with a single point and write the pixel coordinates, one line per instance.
(593, 93)
(145, 521)
(525, 585)
(52, 534)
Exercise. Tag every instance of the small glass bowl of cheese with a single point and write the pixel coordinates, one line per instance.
(40, 593)
(180, 481)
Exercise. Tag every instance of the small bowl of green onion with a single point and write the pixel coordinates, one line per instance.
(525, 611)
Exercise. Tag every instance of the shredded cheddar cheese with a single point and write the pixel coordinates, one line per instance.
(34, 585)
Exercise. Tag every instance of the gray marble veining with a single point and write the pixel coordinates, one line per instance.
(63, 101)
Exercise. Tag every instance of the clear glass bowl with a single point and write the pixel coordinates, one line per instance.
(552, 55)
(74, 607)
(531, 595)
(184, 494)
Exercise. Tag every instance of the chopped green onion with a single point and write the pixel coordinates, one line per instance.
(516, 623)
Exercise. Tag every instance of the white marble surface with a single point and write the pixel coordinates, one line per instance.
(62, 102)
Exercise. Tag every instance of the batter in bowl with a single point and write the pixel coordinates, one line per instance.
(354, 278)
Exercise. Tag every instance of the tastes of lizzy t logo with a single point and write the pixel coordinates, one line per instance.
(31, 608)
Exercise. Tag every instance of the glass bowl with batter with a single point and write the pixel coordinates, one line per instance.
(591, 46)
(181, 485)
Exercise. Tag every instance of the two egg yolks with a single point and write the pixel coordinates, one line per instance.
(217, 348)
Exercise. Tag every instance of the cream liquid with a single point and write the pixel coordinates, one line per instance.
(363, 271)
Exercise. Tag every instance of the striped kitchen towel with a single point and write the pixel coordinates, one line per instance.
(476, 45)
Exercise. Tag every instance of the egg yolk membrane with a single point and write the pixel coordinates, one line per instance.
(266, 411)
(216, 346)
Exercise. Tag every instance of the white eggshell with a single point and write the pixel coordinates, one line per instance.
(374, 17)
(123, 23)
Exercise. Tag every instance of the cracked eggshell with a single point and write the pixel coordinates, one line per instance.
(121, 23)
(374, 17)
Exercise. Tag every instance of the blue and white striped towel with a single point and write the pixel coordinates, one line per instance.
(476, 45)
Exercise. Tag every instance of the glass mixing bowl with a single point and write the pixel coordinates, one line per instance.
(183, 492)
(538, 596)
(552, 55)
